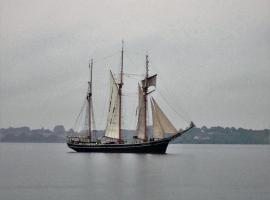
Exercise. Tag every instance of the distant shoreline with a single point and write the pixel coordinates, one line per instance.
(203, 135)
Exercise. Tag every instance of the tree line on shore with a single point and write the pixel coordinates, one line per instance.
(203, 135)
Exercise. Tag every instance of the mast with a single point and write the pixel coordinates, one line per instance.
(89, 99)
(120, 93)
(145, 89)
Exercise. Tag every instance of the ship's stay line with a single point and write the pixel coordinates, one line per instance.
(163, 131)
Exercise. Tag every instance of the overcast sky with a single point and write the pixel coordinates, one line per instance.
(212, 58)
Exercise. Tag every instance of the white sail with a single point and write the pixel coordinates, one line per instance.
(161, 124)
(112, 128)
(141, 119)
(157, 129)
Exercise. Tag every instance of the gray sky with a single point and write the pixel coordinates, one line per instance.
(213, 58)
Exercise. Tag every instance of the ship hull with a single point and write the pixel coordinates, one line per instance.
(150, 147)
(154, 147)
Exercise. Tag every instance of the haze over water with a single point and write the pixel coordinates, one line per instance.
(210, 172)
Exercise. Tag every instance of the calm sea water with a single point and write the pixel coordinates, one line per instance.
(188, 172)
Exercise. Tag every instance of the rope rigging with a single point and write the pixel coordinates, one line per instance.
(79, 117)
(130, 119)
(169, 93)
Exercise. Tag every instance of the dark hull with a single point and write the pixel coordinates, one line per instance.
(156, 147)
(153, 147)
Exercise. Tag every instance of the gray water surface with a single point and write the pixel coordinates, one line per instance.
(187, 172)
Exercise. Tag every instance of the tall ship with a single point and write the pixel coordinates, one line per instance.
(154, 141)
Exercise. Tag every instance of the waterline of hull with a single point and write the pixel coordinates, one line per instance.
(155, 147)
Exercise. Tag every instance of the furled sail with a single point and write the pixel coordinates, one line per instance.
(151, 81)
(161, 124)
(141, 119)
(112, 128)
